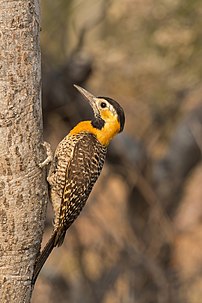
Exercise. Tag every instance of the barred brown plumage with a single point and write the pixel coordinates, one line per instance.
(83, 170)
(77, 164)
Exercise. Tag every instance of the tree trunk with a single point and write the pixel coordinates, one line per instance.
(22, 185)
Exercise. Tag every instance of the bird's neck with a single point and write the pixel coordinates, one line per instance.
(104, 135)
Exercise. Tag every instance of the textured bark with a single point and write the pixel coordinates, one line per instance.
(22, 185)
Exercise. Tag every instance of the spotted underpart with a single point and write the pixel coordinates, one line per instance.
(72, 176)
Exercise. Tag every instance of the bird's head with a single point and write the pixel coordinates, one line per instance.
(108, 114)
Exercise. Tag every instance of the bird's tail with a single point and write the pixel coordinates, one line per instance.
(44, 256)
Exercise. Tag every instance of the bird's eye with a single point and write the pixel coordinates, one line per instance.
(103, 104)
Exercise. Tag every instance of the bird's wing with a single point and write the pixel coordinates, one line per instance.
(82, 172)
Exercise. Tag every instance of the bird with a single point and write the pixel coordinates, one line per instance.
(77, 164)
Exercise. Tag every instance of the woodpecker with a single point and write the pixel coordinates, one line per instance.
(76, 165)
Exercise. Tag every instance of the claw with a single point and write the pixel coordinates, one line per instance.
(49, 154)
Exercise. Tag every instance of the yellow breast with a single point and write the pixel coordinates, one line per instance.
(104, 135)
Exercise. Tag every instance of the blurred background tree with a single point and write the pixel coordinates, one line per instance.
(139, 238)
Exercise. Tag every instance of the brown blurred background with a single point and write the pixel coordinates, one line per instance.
(139, 239)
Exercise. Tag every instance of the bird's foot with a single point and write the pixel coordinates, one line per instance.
(49, 154)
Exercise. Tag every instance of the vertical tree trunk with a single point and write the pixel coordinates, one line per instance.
(22, 186)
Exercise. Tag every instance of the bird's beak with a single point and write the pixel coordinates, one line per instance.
(90, 98)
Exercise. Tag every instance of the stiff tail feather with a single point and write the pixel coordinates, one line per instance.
(44, 256)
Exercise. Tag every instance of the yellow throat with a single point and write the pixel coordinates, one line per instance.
(104, 135)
